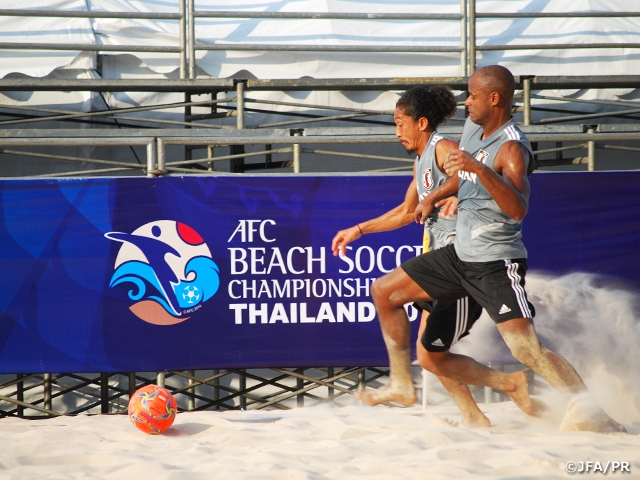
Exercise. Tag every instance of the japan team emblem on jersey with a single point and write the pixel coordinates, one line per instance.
(427, 179)
(482, 156)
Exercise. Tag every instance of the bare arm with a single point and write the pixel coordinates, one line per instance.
(508, 185)
(395, 218)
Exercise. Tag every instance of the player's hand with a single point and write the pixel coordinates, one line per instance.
(422, 211)
(449, 207)
(344, 238)
(459, 160)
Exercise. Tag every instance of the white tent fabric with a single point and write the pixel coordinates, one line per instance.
(268, 65)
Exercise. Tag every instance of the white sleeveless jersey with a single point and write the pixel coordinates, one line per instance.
(438, 231)
(484, 232)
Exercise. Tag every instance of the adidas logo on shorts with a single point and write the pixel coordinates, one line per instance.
(504, 309)
(437, 343)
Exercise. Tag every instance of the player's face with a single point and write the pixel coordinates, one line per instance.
(477, 102)
(407, 130)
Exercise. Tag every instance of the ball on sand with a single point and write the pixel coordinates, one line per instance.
(152, 409)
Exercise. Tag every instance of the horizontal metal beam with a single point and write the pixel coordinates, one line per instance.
(12, 12)
(560, 82)
(306, 84)
(327, 48)
(329, 15)
(116, 85)
(91, 47)
(71, 142)
(559, 15)
(555, 46)
(136, 133)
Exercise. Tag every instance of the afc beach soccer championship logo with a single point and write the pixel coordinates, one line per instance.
(170, 268)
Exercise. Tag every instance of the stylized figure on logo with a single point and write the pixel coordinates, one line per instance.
(171, 268)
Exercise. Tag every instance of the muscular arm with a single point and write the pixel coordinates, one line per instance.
(395, 218)
(508, 185)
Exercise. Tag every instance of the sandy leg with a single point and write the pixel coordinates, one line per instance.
(519, 393)
(404, 395)
(475, 421)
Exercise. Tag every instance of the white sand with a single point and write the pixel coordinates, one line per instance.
(312, 443)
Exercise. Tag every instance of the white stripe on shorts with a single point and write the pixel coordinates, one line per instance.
(462, 314)
(512, 273)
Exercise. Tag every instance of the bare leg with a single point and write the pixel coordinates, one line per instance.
(390, 293)
(472, 416)
(465, 370)
(521, 337)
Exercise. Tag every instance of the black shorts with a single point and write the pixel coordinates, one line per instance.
(449, 322)
(498, 286)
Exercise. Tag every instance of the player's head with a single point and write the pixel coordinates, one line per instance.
(419, 111)
(490, 88)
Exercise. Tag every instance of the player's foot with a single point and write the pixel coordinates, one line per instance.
(520, 395)
(406, 396)
(584, 414)
(475, 421)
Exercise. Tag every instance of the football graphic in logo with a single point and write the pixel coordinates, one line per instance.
(428, 179)
(170, 268)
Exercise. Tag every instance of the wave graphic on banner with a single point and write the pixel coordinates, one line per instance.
(171, 270)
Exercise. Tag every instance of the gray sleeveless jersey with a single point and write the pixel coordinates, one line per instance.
(484, 232)
(428, 178)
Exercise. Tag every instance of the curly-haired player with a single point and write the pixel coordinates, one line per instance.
(419, 112)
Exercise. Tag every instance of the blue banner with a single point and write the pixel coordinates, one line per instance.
(138, 274)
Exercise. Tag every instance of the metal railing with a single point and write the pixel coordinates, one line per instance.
(52, 394)
(293, 142)
(187, 16)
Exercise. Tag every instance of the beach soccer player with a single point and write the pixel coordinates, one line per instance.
(487, 259)
(419, 112)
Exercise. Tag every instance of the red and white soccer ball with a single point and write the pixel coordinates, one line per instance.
(152, 409)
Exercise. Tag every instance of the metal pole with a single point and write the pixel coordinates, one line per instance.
(216, 390)
(300, 396)
(210, 152)
(151, 159)
(530, 381)
(296, 154)
(240, 105)
(472, 36)
(361, 379)
(331, 390)
(160, 378)
(500, 395)
(20, 395)
(162, 169)
(191, 402)
(47, 391)
(591, 149)
(463, 38)
(267, 157)
(526, 92)
(488, 392)
(425, 389)
(243, 387)
(191, 39)
(104, 393)
(488, 395)
(183, 41)
(132, 383)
